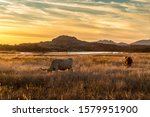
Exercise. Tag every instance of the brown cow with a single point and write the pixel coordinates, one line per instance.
(128, 61)
(61, 64)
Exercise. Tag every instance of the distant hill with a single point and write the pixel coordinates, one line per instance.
(122, 44)
(106, 42)
(66, 40)
(68, 43)
(142, 42)
(112, 42)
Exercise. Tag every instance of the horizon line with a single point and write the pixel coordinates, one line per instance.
(78, 39)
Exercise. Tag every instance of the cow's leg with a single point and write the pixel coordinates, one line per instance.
(49, 70)
(56, 68)
(70, 69)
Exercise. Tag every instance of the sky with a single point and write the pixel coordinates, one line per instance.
(30, 21)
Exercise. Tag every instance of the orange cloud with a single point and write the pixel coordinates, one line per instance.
(34, 21)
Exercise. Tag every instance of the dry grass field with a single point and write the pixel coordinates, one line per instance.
(93, 77)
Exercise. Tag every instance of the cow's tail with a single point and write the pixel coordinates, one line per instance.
(44, 69)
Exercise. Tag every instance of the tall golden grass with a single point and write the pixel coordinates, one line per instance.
(93, 77)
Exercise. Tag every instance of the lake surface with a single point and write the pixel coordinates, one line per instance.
(62, 53)
(95, 53)
(71, 53)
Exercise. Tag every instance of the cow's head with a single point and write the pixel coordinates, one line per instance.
(51, 69)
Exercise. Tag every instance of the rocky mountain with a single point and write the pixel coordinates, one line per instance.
(68, 44)
(122, 44)
(142, 42)
(64, 39)
(112, 42)
(106, 42)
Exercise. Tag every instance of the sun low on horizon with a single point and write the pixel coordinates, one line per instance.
(29, 21)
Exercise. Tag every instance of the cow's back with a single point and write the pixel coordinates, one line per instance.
(65, 64)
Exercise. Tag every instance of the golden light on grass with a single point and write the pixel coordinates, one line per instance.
(94, 77)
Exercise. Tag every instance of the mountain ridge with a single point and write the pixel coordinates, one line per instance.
(112, 42)
(65, 43)
(139, 42)
(142, 42)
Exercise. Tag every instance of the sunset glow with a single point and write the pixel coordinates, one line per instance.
(28, 21)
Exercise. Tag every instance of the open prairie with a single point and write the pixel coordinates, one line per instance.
(102, 76)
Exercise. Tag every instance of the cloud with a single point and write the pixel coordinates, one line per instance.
(96, 19)
(142, 1)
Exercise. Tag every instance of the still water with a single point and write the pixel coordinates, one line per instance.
(70, 53)
(61, 53)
